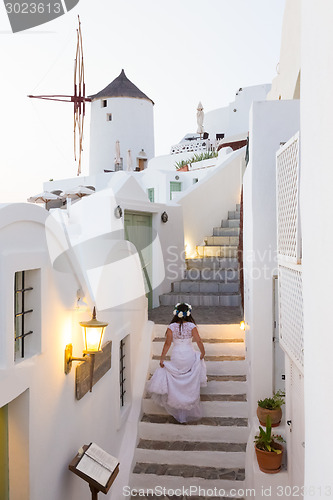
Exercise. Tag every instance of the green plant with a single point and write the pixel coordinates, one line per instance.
(197, 157)
(276, 401)
(182, 163)
(265, 440)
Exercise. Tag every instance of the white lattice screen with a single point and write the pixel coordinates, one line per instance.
(289, 251)
(291, 313)
(287, 171)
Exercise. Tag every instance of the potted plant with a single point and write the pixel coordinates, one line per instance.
(272, 407)
(268, 450)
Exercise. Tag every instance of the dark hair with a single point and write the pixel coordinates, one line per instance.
(187, 319)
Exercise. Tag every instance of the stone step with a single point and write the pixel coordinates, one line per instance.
(207, 274)
(178, 497)
(204, 286)
(212, 349)
(230, 223)
(237, 409)
(151, 444)
(226, 231)
(217, 251)
(182, 456)
(216, 348)
(220, 385)
(222, 240)
(215, 397)
(187, 471)
(213, 263)
(217, 429)
(227, 367)
(215, 387)
(209, 358)
(201, 299)
(233, 214)
(210, 341)
(226, 378)
(146, 475)
(210, 332)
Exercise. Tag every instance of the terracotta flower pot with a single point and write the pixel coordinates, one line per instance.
(269, 461)
(275, 415)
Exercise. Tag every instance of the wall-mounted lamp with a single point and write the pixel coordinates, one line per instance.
(93, 332)
(80, 303)
(118, 212)
(164, 217)
(242, 325)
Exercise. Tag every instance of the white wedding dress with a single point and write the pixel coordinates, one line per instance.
(176, 387)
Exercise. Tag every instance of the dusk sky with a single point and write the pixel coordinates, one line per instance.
(178, 52)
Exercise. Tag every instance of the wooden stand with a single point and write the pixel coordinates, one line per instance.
(94, 492)
(94, 486)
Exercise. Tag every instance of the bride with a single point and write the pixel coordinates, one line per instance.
(175, 385)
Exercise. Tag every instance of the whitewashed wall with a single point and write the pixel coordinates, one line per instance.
(286, 84)
(226, 120)
(132, 124)
(271, 122)
(129, 190)
(316, 220)
(39, 394)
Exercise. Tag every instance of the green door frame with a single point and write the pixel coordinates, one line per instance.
(144, 248)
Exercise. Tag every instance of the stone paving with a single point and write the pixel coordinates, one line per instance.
(209, 358)
(213, 421)
(184, 470)
(216, 397)
(221, 378)
(190, 445)
(202, 315)
(180, 497)
(207, 341)
(227, 378)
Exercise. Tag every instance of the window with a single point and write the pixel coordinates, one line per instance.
(109, 117)
(151, 195)
(104, 103)
(22, 311)
(26, 317)
(122, 368)
(175, 187)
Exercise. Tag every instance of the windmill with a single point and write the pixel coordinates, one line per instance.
(79, 99)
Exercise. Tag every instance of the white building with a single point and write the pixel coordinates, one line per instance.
(299, 273)
(233, 120)
(89, 251)
(120, 112)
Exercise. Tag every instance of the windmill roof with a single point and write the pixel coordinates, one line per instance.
(121, 87)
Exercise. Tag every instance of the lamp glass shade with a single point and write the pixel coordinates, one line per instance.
(93, 337)
(242, 325)
(93, 332)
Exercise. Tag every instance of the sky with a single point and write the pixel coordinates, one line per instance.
(178, 53)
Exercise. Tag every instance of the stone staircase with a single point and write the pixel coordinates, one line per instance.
(207, 455)
(212, 278)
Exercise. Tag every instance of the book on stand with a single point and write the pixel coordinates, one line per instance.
(96, 466)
